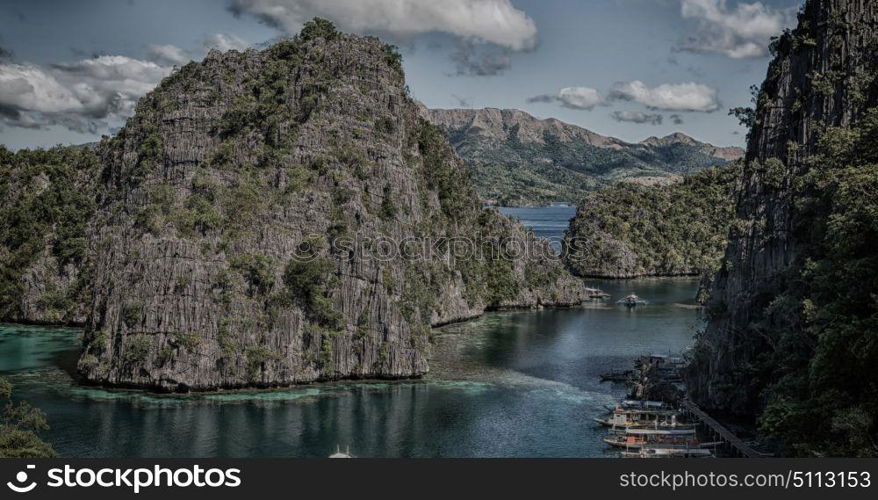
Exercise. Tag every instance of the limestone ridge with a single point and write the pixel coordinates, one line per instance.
(822, 75)
(235, 165)
(520, 160)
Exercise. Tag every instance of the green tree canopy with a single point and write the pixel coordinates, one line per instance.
(19, 424)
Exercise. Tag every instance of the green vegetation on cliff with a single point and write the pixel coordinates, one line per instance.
(793, 315)
(19, 424)
(46, 203)
(632, 230)
(819, 378)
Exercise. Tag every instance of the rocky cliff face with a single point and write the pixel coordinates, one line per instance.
(46, 203)
(823, 75)
(519, 159)
(286, 216)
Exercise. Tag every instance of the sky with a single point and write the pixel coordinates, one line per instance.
(72, 71)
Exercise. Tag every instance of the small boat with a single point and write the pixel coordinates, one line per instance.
(632, 442)
(341, 454)
(637, 420)
(666, 452)
(631, 301)
(639, 405)
(669, 438)
(624, 430)
(622, 414)
(644, 425)
(661, 432)
(643, 404)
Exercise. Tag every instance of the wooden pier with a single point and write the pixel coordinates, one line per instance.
(733, 441)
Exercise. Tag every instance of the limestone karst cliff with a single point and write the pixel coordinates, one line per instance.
(797, 266)
(248, 219)
(47, 199)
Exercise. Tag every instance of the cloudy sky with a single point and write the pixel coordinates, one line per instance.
(72, 71)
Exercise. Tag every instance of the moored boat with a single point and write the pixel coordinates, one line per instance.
(637, 420)
(669, 438)
(668, 452)
(631, 442)
(636, 404)
(661, 432)
(341, 454)
(631, 300)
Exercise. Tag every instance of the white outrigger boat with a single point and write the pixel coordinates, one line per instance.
(631, 300)
(639, 413)
(641, 405)
(637, 439)
(643, 419)
(644, 404)
(341, 454)
(666, 452)
(661, 432)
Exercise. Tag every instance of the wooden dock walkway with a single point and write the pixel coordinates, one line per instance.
(739, 446)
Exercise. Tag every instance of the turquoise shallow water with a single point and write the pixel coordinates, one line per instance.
(516, 384)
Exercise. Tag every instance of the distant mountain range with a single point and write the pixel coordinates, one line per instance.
(518, 159)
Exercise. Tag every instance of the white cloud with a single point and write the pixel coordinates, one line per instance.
(740, 32)
(171, 55)
(669, 96)
(637, 117)
(83, 96)
(225, 42)
(90, 95)
(167, 54)
(30, 87)
(579, 97)
(573, 97)
(747, 50)
(494, 21)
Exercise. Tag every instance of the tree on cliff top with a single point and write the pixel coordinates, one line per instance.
(319, 28)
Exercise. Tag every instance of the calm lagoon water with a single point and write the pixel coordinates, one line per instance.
(512, 384)
(547, 222)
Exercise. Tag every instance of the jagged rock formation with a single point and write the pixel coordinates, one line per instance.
(46, 202)
(633, 230)
(251, 213)
(517, 159)
(823, 76)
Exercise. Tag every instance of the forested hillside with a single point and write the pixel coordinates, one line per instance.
(631, 230)
(517, 159)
